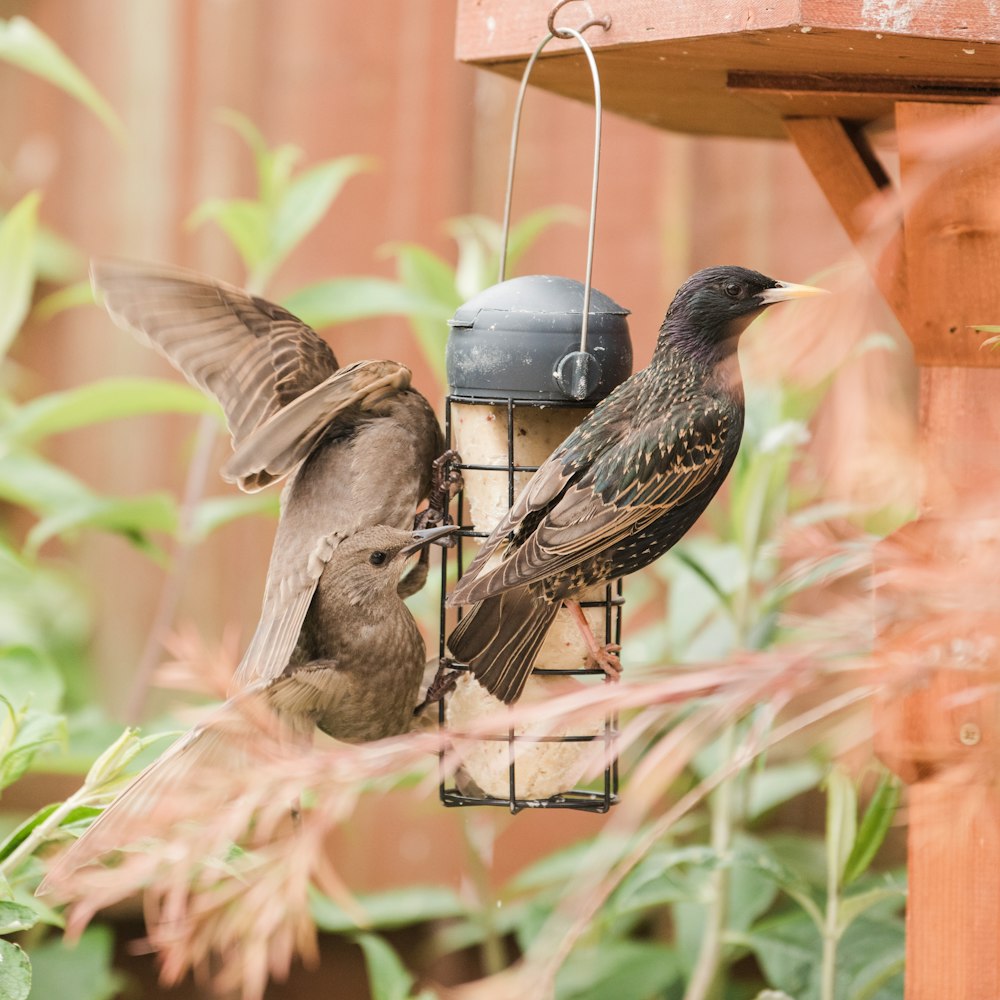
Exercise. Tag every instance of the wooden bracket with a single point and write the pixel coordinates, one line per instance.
(859, 191)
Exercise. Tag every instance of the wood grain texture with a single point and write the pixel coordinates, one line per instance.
(939, 725)
(856, 188)
(953, 909)
(667, 64)
(498, 29)
(950, 177)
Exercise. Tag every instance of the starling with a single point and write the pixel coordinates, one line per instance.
(622, 488)
(358, 445)
(357, 679)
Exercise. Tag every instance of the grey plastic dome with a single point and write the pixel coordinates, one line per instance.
(520, 340)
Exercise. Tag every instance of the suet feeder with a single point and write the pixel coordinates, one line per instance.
(527, 359)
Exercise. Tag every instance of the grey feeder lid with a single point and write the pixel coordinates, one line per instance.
(521, 340)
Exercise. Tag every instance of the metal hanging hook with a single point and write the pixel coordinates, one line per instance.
(604, 22)
(577, 375)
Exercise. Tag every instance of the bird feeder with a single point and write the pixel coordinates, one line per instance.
(818, 72)
(527, 359)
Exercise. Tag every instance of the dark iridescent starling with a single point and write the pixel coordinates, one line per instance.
(623, 487)
(358, 445)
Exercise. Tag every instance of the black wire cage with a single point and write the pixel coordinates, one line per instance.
(592, 799)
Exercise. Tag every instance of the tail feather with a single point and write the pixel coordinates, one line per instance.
(500, 638)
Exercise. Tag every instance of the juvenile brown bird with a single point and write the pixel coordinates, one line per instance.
(357, 679)
(358, 444)
(623, 487)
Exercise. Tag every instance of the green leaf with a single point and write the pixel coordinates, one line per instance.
(388, 978)
(69, 297)
(561, 867)
(132, 517)
(56, 258)
(880, 978)
(788, 949)
(23, 733)
(24, 45)
(779, 783)
(245, 222)
(389, 909)
(308, 198)
(871, 957)
(425, 272)
(841, 821)
(342, 300)
(97, 402)
(685, 557)
(851, 907)
(215, 512)
(82, 970)
(28, 676)
(79, 815)
(246, 130)
(625, 970)
(478, 240)
(15, 917)
(15, 972)
(30, 481)
(17, 261)
(875, 824)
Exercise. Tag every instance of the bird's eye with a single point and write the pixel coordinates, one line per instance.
(733, 290)
(378, 558)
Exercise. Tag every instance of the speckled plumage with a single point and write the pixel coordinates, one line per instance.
(624, 486)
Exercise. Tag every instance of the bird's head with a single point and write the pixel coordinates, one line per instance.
(714, 306)
(370, 563)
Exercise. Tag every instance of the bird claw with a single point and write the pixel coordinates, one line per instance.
(446, 481)
(444, 682)
(607, 659)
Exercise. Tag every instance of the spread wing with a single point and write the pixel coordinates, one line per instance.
(253, 356)
(600, 486)
(278, 445)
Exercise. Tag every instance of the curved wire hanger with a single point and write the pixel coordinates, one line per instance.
(564, 33)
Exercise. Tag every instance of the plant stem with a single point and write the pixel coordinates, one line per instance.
(831, 936)
(44, 830)
(721, 807)
(492, 951)
(173, 587)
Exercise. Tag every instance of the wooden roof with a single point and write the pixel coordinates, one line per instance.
(737, 67)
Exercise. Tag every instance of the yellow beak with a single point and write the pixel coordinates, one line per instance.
(785, 290)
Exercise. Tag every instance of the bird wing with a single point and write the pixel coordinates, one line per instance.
(286, 602)
(253, 356)
(277, 446)
(581, 507)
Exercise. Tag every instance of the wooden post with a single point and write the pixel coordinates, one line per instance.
(938, 602)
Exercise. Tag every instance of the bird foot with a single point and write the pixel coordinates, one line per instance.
(604, 655)
(607, 659)
(446, 481)
(443, 683)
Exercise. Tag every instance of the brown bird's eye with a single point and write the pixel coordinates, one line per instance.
(733, 290)
(378, 558)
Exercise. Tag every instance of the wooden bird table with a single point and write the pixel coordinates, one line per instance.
(820, 72)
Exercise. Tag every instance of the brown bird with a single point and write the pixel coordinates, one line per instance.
(359, 445)
(357, 678)
(623, 487)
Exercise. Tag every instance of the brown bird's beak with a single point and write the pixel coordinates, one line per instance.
(786, 290)
(427, 535)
